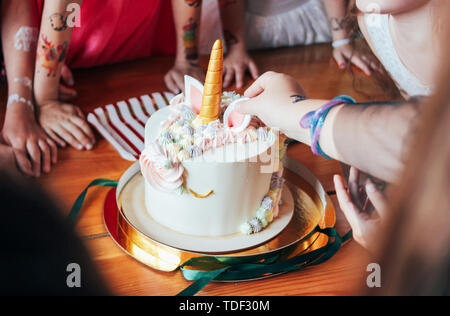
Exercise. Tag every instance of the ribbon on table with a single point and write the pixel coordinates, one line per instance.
(231, 269)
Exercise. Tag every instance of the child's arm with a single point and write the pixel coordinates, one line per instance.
(63, 122)
(373, 139)
(19, 33)
(187, 16)
(343, 51)
(237, 60)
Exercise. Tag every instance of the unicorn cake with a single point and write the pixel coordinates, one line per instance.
(209, 170)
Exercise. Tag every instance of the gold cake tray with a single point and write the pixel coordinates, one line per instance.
(312, 208)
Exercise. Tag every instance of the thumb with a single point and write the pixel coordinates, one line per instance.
(247, 107)
(377, 198)
(66, 75)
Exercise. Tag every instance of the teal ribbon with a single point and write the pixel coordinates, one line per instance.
(76, 208)
(244, 271)
(203, 270)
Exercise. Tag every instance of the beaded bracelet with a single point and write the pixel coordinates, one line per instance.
(314, 121)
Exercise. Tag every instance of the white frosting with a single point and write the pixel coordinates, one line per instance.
(232, 172)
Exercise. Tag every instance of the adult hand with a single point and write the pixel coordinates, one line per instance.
(273, 97)
(363, 206)
(33, 149)
(65, 124)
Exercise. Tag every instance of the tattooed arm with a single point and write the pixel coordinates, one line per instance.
(237, 60)
(33, 150)
(187, 14)
(344, 52)
(63, 122)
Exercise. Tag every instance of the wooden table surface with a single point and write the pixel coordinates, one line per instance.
(314, 69)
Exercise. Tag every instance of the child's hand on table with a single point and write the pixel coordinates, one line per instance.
(174, 79)
(65, 123)
(364, 208)
(235, 64)
(347, 54)
(33, 149)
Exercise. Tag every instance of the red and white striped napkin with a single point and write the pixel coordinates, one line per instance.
(123, 123)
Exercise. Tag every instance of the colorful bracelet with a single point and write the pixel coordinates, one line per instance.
(314, 121)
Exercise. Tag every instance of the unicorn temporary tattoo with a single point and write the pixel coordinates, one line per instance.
(27, 82)
(25, 38)
(50, 55)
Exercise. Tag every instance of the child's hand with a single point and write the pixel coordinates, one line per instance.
(235, 65)
(66, 91)
(346, 53)
(33, 149)
(271, 100)
(174, 79)
(65, 123)
(364, 208)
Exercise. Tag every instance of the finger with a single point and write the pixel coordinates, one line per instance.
(179, 81)
(77, 132)
(171, 85)
(46, 156)
(239, 75)
(340, 60)
(68, 137)
(53, 150)
(253, 68)
(23, 163)
(228, 79)
(35, 154)
(67, 76)
(84, 126)
(349, 209)
(66, 94)
(259, 85)
(356, 60)
(55, 138)
(353, 186)
(249, 107)
(377, 198)
(78, 112)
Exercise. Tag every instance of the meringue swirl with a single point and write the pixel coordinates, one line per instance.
(154, 169)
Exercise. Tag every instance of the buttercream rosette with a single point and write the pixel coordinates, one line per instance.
(156, 170)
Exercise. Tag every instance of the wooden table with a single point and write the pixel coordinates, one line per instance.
(312, 66)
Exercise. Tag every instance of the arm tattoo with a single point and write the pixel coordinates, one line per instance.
(190, 40)
(298, 98)
(58, 21)
(338, 24)
(50, 55)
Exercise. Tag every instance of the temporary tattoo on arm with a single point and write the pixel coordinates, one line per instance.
(27, 82)
(50, 55)
(298, 98)
(230, 38)
(26, 38)
(193, 3)
(58, 21)
(338, 24)
(190, 40)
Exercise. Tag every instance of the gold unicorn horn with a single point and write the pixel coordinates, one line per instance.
(212, 93)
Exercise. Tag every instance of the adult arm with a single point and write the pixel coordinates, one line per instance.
(372, 138)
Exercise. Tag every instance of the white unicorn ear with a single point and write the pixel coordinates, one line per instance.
(193, 90)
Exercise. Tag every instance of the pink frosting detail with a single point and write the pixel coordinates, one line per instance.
(153, 166)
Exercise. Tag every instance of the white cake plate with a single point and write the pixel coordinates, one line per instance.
(133, 208)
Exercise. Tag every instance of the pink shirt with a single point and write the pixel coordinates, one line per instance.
(120, 30)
